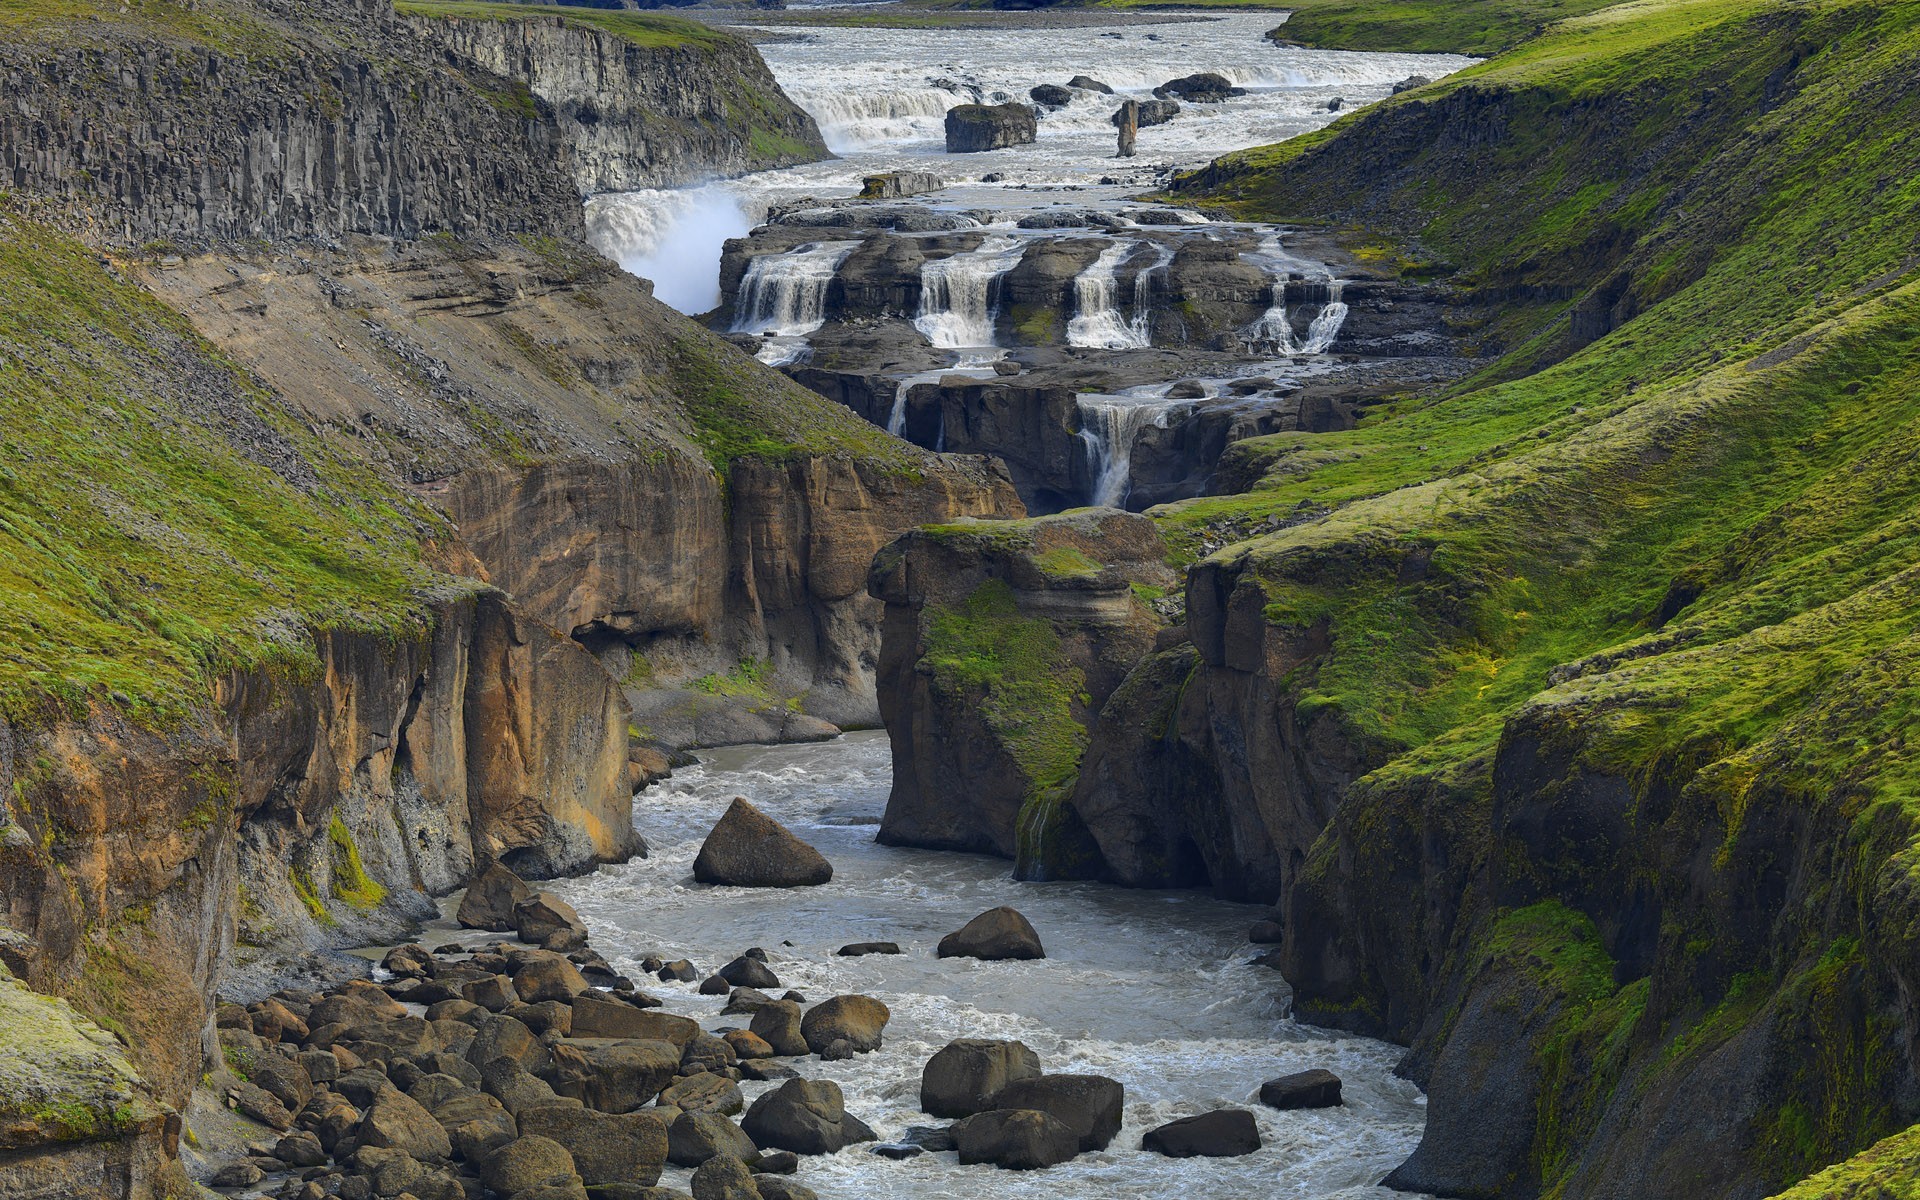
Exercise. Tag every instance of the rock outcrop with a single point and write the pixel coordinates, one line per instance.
(747, 848)
(1000, 641)
(641, 102)
(972, 128)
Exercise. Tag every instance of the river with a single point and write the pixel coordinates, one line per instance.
(880, 96)
(1155, 989)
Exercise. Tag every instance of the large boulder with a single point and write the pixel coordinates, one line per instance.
(1203, 87)
(896, 185)
(1151, 112)
(605, 1147)
(748, 971)
(998, 933)
(778, 1023)
(527, 1163)
(1017, 1139)
(693, 1138)
(613, 1076)
(546, 920)
(1090, 1105)
(1088, 83)
(806, 1116)
(1228, 1133)
(599, 1015)
(1316, 1088)
(704, 1092)
(856, 1020)
(397, 1122)
(747, 848)
(964, 1076)
(972, 128)
(723, 1177)
(545, 976)
(1050, 95)
(490, 899)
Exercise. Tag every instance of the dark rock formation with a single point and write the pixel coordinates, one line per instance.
(806, 1117)
(1316, 1088)
(994, 935)
(1050, 95)
(1227, 1133)
(1091, 1106)
(747, 848)
(1017, 1139)
(659, 109)
(1051, 601)
(855, 1020)
(964, 1076)
(895, 185)
(975, 127)
(1204, 87)
(1150, 112)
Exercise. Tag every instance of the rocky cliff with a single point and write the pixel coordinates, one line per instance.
(309, 417)
(1565, 718)
(642, 101)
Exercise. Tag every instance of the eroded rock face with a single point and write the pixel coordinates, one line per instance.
(1053, 599)
(976, 127)
(637, 116)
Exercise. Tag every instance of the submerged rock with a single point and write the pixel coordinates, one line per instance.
(747, 848)
(998, 933)
(1228, 1133)
(1202, 87)
(857, 949)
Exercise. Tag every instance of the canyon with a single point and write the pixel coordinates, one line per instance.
(1465, 544)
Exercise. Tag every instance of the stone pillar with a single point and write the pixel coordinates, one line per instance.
(1128, 119)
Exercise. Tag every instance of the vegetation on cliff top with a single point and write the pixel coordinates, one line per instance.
(649, 29)
(1676, 527)
(160, 518)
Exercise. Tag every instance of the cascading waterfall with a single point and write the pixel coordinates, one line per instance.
(783, 297)
(957, 293)
(1326, 327)
(975, 363)
(1097, 323)
(1142, 324)
(1110, 425)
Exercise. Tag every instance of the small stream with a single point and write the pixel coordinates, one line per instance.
(1152, 988)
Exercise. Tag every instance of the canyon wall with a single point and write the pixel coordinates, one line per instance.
(1565, 717)
(668, 103)
(346, 492)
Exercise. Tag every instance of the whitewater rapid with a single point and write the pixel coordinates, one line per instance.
(1152, 988)
(880, 97)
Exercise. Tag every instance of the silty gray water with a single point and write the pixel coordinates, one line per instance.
(1152, 988)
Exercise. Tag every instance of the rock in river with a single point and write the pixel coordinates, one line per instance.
(1318, 1088)
(806, 1116)
(976, 127)
(1204, 87)
(1228, 1133)
(1017, 1139)
(998, 933)
(1090, 1105)
(964, 1076)
(747, 848)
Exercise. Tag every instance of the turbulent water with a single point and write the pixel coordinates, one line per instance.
(1152, 988)
(881, 95)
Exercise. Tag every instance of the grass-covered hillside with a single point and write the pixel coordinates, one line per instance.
(1666, 550)
(1412, 26)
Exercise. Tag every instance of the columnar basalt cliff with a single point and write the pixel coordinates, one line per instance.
(642, 102)
(308, 421)
(1566, 717)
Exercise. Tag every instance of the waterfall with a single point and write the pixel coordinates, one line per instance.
(957, 293)
(1142, 324)
(1097, 323)
(977, 364)
(784, 297)
(1326, 326)
(1110, 425)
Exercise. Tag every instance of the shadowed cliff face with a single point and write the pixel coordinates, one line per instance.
(674, 103)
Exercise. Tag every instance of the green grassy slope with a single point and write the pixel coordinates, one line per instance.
(161, 517)
(1674, 532)
(1414, 26)
(649, 29)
